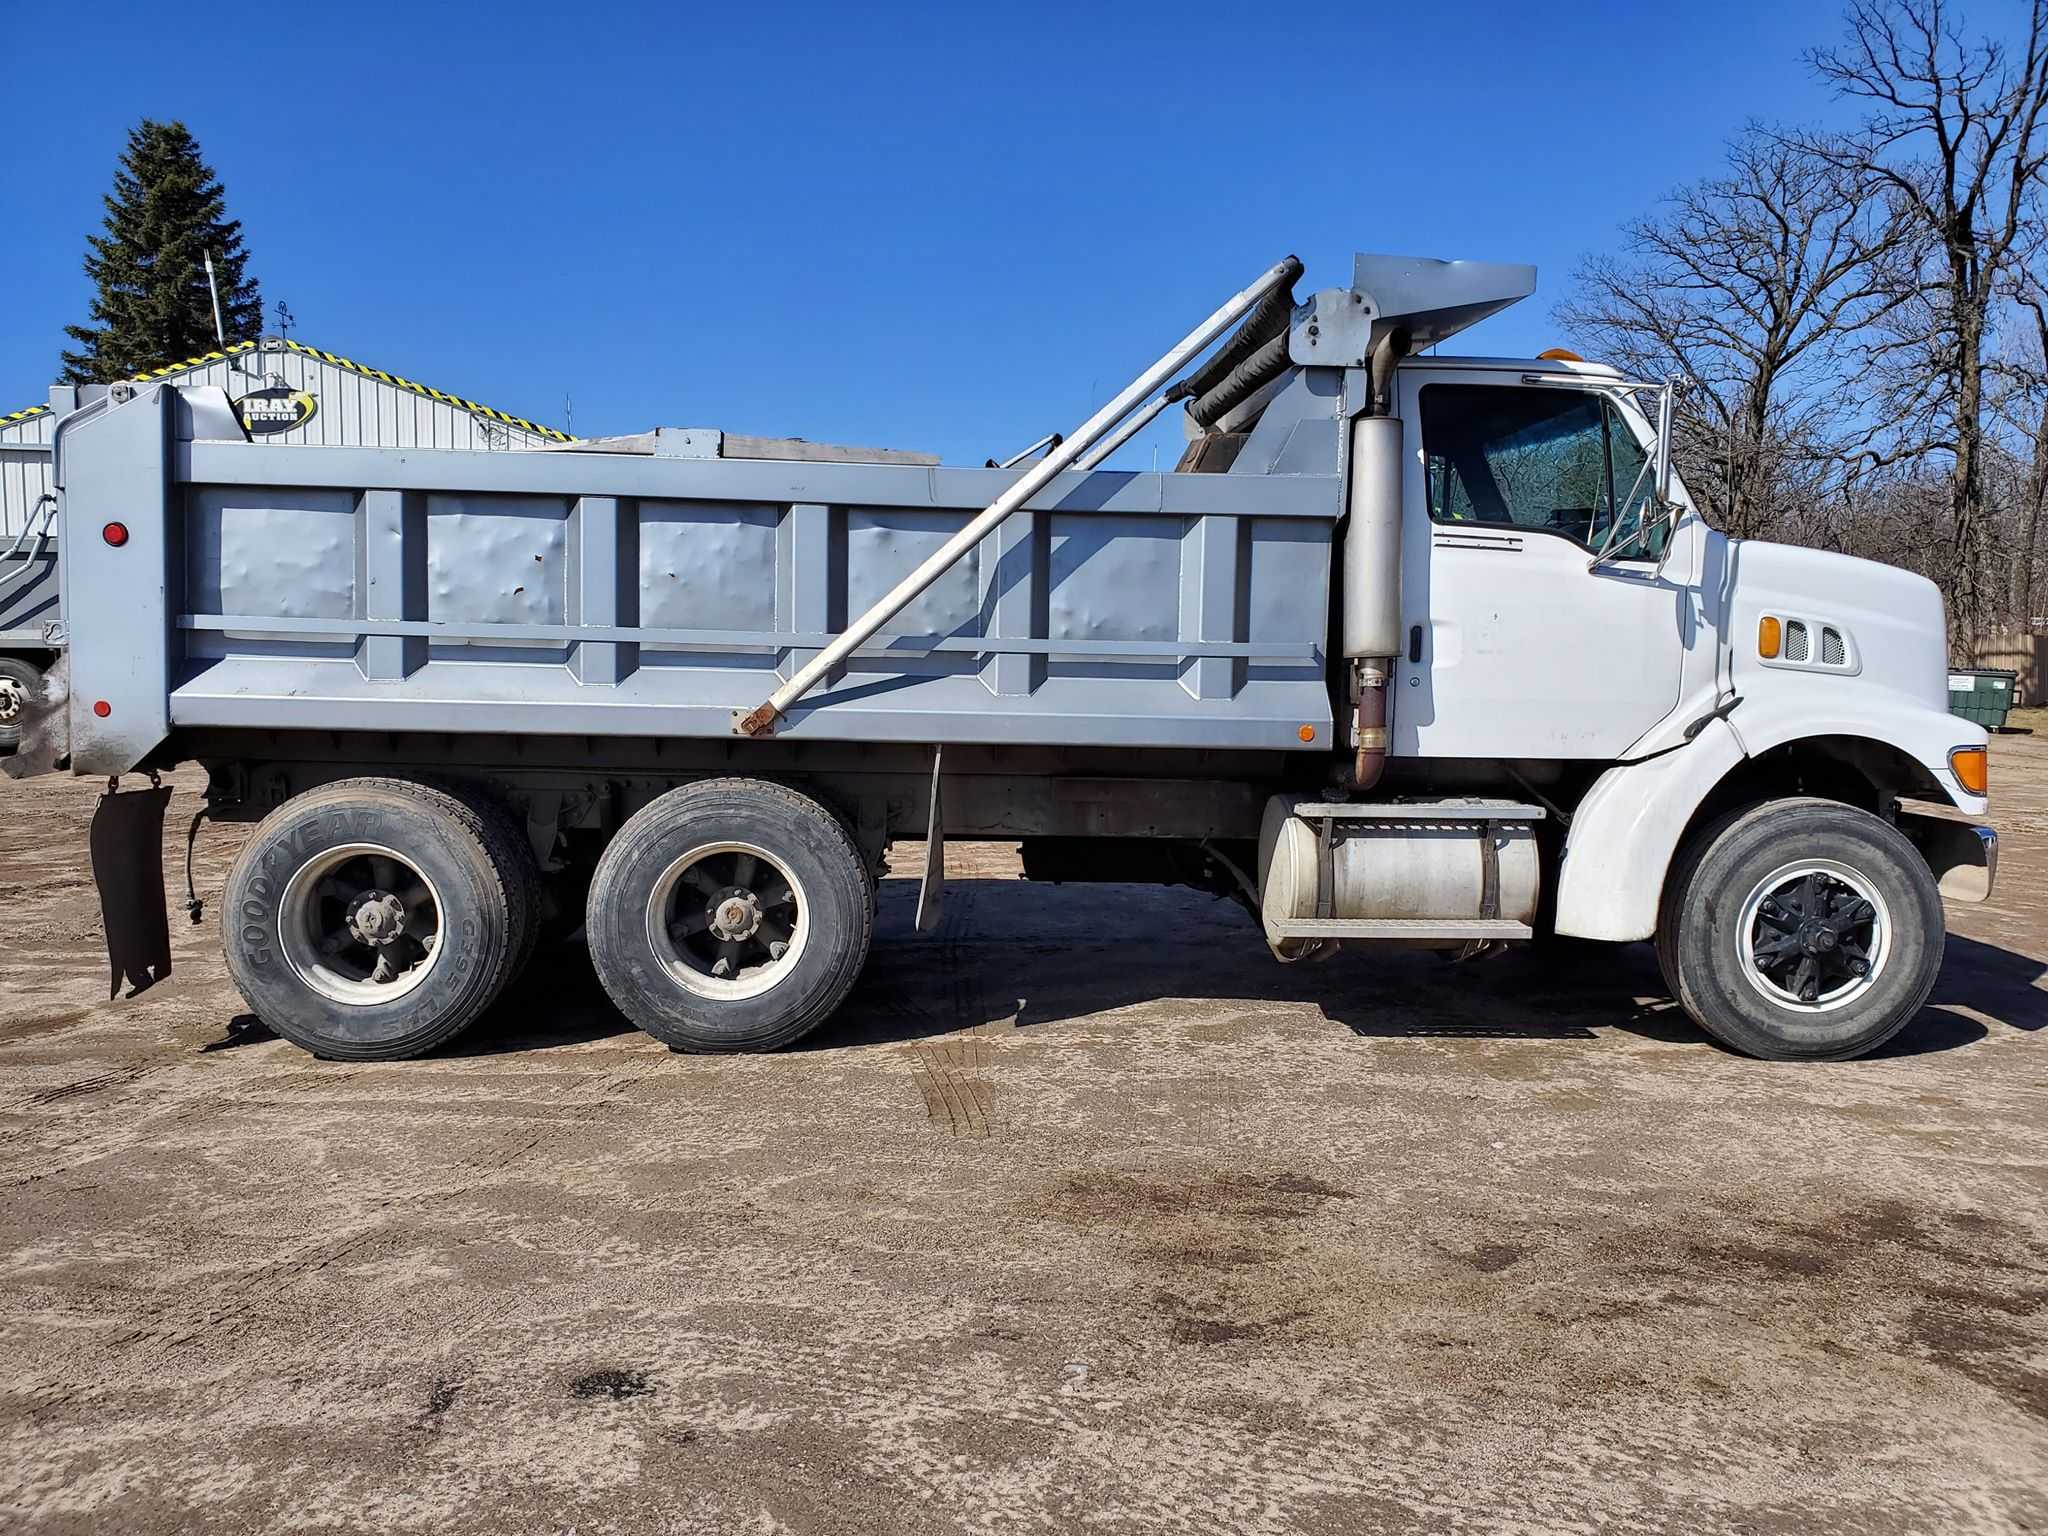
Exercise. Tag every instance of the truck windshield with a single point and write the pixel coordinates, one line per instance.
(1529, 457)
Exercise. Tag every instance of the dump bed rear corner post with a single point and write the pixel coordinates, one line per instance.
(121, 569)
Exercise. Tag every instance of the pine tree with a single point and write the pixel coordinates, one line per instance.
(166, 212)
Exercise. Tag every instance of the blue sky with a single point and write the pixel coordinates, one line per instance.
(947, 227)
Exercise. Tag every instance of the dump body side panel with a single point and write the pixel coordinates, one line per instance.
(333, 588)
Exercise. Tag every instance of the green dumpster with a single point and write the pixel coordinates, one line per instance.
(1981, 694)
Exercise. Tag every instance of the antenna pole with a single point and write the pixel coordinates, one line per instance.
(219, 331)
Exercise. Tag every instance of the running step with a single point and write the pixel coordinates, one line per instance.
(1418, 810)
(1400, 928)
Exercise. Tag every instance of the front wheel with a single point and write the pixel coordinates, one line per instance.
(1801, 930)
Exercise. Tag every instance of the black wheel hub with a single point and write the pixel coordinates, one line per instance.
(1813, 936)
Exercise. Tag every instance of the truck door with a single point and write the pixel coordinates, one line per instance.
(1515, 647)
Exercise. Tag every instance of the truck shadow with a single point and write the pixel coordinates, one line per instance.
(1012, 951)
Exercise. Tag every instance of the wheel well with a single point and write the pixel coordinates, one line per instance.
(1855, 770)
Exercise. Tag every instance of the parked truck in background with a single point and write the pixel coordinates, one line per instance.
(1409, 649)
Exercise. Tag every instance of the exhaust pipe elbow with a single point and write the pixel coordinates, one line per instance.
(1387, 353)
(1371, 758)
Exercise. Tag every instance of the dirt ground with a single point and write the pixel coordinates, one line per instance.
(1083, 1214)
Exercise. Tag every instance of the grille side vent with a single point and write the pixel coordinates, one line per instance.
(1832, 651)
(1796, 645)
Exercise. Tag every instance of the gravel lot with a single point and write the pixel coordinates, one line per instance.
(1084, 1213)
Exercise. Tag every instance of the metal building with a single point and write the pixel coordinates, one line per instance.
(286, 392)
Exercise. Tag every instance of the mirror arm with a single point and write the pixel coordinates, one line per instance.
(1664, 399)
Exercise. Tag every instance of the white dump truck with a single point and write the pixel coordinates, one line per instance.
(1408, 649)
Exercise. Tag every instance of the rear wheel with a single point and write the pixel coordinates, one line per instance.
(373, 919)
(1802, 930)
(730, 915)
(19, 683)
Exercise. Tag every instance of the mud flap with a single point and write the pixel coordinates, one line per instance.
(128, 867)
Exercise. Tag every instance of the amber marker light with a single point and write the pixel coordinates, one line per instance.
(1769, 635)
(1307, 733)
(1972, 768)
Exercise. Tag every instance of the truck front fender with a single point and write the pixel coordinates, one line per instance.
(1625, 831)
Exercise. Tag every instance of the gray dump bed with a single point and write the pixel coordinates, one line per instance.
(322, 588)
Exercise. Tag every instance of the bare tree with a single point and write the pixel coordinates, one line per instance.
(1954, 141)
(1746, 283)
(2021, 403)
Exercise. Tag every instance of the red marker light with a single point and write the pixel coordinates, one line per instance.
(102, 708)
(115, 534)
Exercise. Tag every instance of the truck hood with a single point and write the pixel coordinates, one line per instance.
(1892, 621)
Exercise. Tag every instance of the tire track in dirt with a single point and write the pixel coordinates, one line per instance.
(167, 1322)
(39, 1147)
(951, 1072)
(1399, 1464)
(948, 1074)
(119, 1077)
(606, 1090)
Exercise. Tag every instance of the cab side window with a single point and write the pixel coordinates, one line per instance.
(1553, 459)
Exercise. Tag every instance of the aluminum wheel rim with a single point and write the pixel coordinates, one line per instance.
(337, 932)
(1807, 960)
(731, 902)
(13, 699)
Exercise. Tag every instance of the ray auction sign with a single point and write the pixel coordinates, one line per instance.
(267, 412)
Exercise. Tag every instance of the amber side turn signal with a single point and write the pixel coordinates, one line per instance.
(1972, 768)
(1769, 634)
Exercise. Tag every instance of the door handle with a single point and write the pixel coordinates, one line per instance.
(1414, 643)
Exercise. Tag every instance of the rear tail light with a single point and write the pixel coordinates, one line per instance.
(115, 534)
